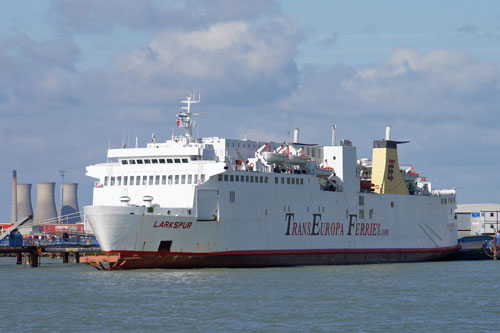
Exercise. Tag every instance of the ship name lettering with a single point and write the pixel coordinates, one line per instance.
(315, 228)
(315, 224)
(318, 228)
(351, 223)
(367, 229)
(173, 225)
(289, 217)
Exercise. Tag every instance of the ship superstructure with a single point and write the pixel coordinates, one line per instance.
(217, 202)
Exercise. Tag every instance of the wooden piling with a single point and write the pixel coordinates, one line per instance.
(65, 257)
(495, 246)
(19, 258)
(34, 258)
(76, 257)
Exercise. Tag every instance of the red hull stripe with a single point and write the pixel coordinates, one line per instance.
(293, 252)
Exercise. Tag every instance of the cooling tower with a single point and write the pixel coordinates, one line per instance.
(45, 204)
(70, 203)
(24, 201)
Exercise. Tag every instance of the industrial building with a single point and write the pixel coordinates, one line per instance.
(45, 218)
(477, 219)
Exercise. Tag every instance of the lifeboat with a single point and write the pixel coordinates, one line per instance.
(324, 172)
(274, 158)
(298, 159)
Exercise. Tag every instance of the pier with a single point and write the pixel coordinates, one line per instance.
(33, 249)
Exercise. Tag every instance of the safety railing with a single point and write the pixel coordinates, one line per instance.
(57, 242)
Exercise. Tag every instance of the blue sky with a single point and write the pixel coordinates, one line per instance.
(76, 76)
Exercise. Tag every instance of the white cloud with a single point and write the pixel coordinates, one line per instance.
(232, 62)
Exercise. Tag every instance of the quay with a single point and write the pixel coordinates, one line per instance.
(33, 249)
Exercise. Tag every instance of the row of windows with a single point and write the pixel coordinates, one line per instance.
(362, 213)
(444, 201)
(260, 179)
(243, 178)
(156, 161)
(153, 180)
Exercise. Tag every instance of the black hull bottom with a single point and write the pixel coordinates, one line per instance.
(141, 261)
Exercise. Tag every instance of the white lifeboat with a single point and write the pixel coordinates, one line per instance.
(274, 158)
(300, 158)
(324, 171)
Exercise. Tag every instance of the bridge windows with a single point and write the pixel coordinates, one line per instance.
(147, 161)
(131, 161)
(177, 160)
(157, 180)
(154, 161)
(190, 179)
(183, 179)
(131, 180)
(169, 160)
(138, 180)
(119, 180)
(125, 180)
(163, 180)
(162, 160)
(176, 179)
(144, 180)
(139, 161)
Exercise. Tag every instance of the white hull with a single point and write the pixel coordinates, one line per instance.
(270, 217)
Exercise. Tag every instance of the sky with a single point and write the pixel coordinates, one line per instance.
(77, 77)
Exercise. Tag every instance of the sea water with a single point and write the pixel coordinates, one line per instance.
(460, 296)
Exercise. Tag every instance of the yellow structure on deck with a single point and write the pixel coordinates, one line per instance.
(386, 176)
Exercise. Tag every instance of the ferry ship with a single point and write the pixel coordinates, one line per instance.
(195, 202)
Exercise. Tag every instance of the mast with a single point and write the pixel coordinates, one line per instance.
(185, 117)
